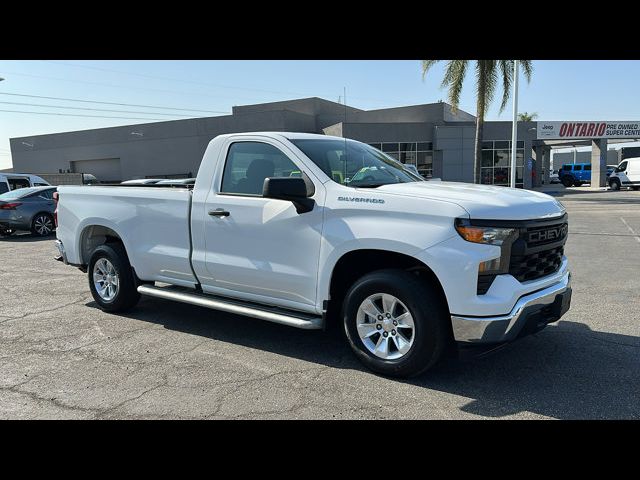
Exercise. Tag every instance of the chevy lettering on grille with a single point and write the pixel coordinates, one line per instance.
(549, 234)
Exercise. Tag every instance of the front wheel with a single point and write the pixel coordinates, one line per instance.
(614, 184)
(395, 323)
(111, 279)
(567, 181)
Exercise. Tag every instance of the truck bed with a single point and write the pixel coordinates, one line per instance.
(152, 221)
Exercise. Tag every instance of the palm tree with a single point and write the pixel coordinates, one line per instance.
(488, 72)
(527, 117)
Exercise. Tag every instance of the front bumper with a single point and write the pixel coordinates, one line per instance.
(531, 313)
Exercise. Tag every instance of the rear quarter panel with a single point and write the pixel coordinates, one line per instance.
(152, 223)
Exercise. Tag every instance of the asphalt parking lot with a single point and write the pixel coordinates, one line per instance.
(62, 357)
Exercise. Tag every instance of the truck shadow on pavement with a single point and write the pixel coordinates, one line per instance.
(566, 371)
(25, 238)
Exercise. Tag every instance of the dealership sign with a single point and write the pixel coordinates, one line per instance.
(571, 130)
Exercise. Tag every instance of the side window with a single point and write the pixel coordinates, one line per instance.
(4, 188)
(16, 183)
(587, 167)
(566, 168)
(577, 168)
(40, 185)
(47, 194)
(622, 167)
(249, 163)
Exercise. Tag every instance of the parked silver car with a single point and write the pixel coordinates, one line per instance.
(28, 209)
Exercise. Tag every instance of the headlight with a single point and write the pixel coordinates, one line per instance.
(488, 235)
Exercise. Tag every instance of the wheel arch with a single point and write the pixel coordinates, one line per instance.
(357, 263)
(94, 235)
(41, 212)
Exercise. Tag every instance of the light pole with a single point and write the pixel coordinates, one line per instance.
(514, 132)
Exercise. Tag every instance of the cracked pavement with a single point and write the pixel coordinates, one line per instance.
(62, 357)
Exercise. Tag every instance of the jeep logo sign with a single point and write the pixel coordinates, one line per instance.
(549, 235)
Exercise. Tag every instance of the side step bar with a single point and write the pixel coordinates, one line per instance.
(276, 315)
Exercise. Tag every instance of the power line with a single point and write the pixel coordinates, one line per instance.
(97, 109)
(86, 116)
(377, 100)
(110, 103)
(145, 89)
(171, 79)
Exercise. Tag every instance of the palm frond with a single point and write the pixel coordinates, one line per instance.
(458, 72)
(426, 66)
(506, 68)
(527, 69)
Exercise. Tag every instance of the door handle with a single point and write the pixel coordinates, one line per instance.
(219, 212)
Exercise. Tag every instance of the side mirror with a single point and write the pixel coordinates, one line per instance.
(294, 189)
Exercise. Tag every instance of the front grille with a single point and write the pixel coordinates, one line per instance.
(535, 250)
(535, 265)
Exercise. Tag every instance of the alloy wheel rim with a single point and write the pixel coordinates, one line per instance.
(43, 225)
(385, 326)
(105, 279)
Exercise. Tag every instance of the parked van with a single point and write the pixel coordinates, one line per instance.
(627, 174)
(13, 181)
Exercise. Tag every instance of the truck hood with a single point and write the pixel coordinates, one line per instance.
(482, 201)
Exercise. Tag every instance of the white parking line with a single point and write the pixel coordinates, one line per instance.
(630, 229)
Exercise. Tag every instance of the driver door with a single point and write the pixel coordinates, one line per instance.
(260, 249)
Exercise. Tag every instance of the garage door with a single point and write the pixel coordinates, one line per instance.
(105, 170)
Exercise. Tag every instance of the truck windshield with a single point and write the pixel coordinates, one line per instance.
(355, 164)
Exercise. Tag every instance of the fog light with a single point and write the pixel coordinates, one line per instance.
(489, 266)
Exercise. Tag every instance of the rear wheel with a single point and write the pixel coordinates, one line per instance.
(111, 279)
(635, 189)
(42, 225)
(395, 323)
(614, 184)
(5, 232)
(567, 181)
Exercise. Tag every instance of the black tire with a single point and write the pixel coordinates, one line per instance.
(577, 184)
(635, 189)
(567, 181)
(42, 224)
(614, 184)
(430, 318)
(127, 294)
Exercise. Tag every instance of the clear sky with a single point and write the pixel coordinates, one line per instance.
(559, 90)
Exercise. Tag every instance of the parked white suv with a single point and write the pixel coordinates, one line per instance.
(304, 230)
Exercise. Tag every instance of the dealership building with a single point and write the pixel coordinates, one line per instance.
(436, 139)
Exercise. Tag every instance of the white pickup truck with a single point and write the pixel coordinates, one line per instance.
(304, 229)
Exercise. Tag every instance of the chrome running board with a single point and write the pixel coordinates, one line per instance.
(270, 314)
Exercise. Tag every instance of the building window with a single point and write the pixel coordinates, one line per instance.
(495, 166)
(419, 154)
